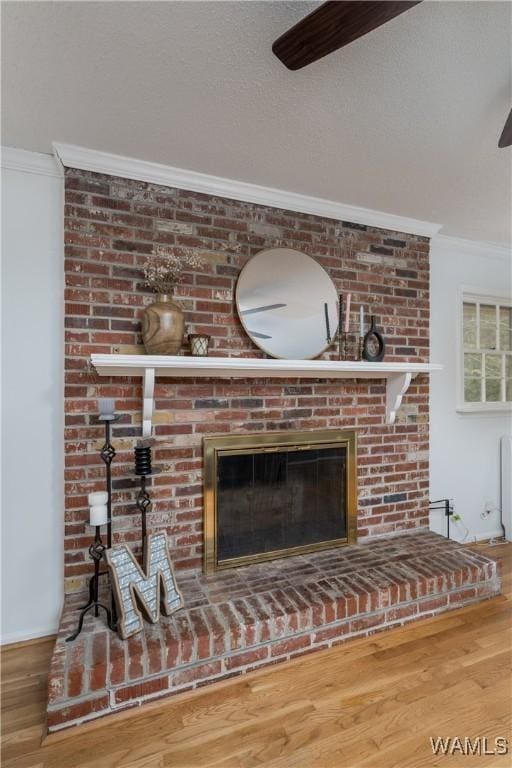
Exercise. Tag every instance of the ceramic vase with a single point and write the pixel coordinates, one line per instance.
(163, 325)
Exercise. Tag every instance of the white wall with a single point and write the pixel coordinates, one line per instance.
(464, 447)
(32, 395)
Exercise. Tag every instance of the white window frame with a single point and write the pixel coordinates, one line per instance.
(480, 296)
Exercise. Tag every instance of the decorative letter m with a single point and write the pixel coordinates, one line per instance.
(147, 591)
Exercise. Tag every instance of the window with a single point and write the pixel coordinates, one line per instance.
(486, 353)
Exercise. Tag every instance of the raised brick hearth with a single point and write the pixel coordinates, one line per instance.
(237, 621)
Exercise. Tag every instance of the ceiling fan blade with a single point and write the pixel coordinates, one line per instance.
(506, 134)
(331, 26)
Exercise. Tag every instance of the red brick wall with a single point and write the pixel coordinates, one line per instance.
(111, 225)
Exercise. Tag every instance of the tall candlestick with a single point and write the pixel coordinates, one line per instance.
(347, 312)
(361, 321)
(100, 508)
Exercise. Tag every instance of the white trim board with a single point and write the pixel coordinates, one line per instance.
(250, 367)
(30, 162)
(461, 246)
(142, 170)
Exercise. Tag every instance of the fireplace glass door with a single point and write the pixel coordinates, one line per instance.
(277, 495)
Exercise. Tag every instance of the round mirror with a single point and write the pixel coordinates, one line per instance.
(288, 304)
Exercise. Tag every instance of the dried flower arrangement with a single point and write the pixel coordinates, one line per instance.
(165, 270)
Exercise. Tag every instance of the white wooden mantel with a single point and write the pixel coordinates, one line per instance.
(398, 376)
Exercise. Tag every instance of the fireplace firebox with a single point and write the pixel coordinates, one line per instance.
(277, 494)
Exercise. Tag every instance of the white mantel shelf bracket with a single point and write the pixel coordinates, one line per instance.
(398, 376)
(148, 401)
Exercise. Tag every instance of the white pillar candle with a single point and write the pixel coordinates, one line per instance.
(106, 406)
(97, 498)
(98, 514)
(361, 321)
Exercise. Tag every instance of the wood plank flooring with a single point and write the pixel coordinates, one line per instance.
(373, 703)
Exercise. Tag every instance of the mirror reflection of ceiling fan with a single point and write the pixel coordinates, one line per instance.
(337, 23)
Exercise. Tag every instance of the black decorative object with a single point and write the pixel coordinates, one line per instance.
(96, 551)
(142, 470)
(341, 333)
(447, 505)
(108, 415)
(327, 326)
(97, 548)
(373, 344)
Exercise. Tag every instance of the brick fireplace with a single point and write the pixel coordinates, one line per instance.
(111, 226)
(239, 619)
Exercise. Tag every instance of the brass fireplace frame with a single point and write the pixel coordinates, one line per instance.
(217, 445)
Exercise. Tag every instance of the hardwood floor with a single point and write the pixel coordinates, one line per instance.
(373, 702)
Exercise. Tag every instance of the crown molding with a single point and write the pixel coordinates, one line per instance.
(30, 162)
(168, 176)
(469, 247)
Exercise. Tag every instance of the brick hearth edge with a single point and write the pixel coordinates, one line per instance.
(237, 622)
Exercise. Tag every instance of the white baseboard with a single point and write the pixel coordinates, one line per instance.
(27, 634)
(477, 536)
(498, 533)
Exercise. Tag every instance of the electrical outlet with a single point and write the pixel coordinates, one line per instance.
(488, 509)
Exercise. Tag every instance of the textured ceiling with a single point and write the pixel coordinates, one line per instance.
(405, 120)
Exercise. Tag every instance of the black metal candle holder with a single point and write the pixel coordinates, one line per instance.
(97, 548)
(96, 551)
(142, 470)
(448, 508)
(107, 454)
